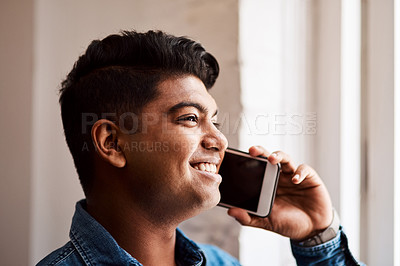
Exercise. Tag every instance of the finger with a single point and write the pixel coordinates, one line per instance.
(287, 164)
(302, 172)
(244, 218)
(258, 151)
(240, 215)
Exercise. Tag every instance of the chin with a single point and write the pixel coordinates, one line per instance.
(212, 201)
(203, 204)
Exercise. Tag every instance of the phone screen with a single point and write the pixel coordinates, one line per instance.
(242, 180)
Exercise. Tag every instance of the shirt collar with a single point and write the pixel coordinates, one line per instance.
(97, 247)
(187, 252)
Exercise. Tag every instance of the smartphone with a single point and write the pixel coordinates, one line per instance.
(248, 182)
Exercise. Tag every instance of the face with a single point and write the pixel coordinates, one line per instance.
(173, 161)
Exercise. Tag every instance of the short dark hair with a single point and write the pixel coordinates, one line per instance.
(120, 74)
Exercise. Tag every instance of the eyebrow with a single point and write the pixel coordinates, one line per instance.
(181, 105)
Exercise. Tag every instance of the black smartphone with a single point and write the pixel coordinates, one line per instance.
(248, 182)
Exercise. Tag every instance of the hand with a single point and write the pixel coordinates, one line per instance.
(302, 206)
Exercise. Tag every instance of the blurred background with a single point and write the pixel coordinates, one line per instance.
(318, 79)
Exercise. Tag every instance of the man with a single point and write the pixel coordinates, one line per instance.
(142, 129)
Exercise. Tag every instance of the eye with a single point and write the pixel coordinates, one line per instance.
(191, 119)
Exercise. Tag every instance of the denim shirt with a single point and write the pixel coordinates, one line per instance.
(91, 244)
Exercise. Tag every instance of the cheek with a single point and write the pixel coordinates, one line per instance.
(181, 145)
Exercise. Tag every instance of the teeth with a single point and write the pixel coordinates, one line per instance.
(208, 167)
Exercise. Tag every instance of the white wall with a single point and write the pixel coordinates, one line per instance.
(379, 90)
(302, 58)
(278, 100)
(16, 53)
(350, 121)
(396, 236)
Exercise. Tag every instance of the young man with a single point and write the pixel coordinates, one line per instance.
(142, 129)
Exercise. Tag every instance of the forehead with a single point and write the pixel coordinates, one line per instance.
(183, 89)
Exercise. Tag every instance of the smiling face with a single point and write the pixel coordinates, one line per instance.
(172, 162)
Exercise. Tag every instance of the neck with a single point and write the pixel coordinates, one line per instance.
(148, 241)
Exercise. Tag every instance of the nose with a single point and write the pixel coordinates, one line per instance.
(214, 140)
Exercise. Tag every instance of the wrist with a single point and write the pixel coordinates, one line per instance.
(323, 236)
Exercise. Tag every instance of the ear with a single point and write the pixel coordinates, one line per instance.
(105, 136)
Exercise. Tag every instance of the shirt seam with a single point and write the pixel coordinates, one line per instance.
(63, 256)
(80, 249)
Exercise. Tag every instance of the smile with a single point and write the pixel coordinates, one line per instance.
(207, 167)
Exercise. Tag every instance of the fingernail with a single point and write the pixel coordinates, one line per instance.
(274, 155)
(296, 178)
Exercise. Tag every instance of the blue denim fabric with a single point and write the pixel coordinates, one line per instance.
(335, 252)
(91, 244)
